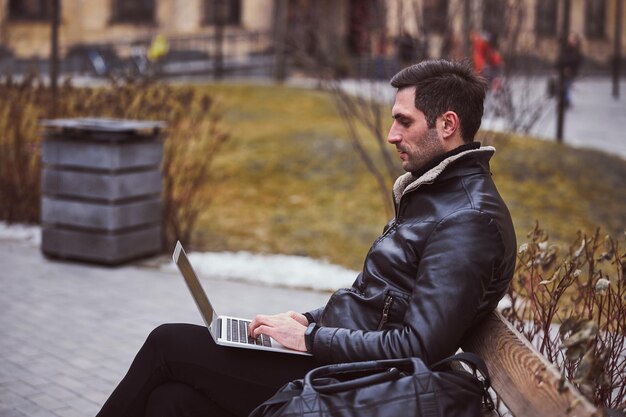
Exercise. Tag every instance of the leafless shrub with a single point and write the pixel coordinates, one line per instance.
(572, 306)
(194, 138)
(20, 109)
(360, 113)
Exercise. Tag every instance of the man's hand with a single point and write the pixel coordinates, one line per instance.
(287, 328)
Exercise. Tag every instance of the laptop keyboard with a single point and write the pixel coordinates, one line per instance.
(237, 331)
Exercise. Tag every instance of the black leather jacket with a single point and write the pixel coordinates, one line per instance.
(439, 267)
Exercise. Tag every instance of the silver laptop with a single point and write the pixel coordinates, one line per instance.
(225, 330)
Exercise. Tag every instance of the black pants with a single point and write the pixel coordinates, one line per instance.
(180, 371)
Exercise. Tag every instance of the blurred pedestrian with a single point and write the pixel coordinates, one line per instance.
(158, 49)
(405, 49)
(569, 62)
(488, 61)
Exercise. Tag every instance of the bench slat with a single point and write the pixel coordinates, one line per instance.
(525, 381)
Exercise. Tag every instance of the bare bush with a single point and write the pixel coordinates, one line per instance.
(194, 138)
(20, 109)
(358, 114)
(572, 306)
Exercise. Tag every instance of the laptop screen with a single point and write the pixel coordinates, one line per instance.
(198, 294)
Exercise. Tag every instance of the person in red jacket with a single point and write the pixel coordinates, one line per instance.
(487, 60)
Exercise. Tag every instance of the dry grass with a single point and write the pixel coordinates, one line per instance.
(288, 180)
(563, 188)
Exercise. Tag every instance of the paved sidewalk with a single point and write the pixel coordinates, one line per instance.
(595, 119)
(68, 331)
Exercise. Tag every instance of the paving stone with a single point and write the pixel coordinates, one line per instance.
(68, 382)
(33, 379)
(60, 393)
(47, 365)
(23, 389)
(11, 412)
(97, 397)
(97, 383)
(111, 374)
(87, 406)
(30, 408)
(11, 399)
(70, 412)
(47, 402)
(4, 378)
(42, 412)
(82, 363)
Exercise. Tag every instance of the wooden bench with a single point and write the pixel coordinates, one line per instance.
(523, 379)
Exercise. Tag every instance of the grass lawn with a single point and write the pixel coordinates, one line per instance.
(290, 182)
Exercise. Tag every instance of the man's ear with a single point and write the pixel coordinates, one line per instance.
(450, 125)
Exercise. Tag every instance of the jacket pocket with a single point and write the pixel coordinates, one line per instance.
(393, 310)
(369, 310)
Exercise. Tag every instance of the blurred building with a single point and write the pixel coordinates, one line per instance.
(317, 32)
(25, 24)
(529, 28)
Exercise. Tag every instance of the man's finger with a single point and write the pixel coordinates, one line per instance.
(263, 330)
(260, 320)
(256, 322)
(272, 320)
(300, 318)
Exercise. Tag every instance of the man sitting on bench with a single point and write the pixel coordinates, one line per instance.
(440, 266)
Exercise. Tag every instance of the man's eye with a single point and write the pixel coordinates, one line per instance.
(404, 121)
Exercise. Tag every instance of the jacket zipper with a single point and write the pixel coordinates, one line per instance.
(396, 220)
(386, 308)
(399, 204)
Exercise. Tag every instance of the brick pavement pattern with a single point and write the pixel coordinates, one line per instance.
(69, 331)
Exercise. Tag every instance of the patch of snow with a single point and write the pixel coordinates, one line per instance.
(276, 270)
(21, 232)
(279, 270)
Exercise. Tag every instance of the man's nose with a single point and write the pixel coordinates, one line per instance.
(393, 136)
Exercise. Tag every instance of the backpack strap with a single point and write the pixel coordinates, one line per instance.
(475, 363)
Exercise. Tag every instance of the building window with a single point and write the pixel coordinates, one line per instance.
(31, 10)
(229, 10)
(546, 15)
(436, 15)
(595, 19)
(133, 11)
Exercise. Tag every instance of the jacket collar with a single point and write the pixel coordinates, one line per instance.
(408, 182)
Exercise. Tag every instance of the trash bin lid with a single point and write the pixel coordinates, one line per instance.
(90, 127)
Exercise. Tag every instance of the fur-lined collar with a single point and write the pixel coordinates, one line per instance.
(408, 182)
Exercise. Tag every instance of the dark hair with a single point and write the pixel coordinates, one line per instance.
(441, 86)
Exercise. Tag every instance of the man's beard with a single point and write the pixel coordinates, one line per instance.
(429, 147)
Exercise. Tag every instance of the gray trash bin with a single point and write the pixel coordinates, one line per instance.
(101, 189)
